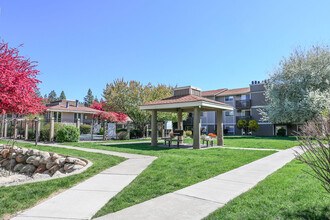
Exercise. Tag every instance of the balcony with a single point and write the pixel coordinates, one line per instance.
(247, 118)
(240, 104)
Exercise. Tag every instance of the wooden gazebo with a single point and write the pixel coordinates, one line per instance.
(187, 99)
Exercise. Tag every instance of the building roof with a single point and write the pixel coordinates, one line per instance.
(212, 92)
(79, 109)
(235, 91)
(185, 102)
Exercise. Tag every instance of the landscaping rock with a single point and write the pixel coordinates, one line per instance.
(30, 159)
(41, 168)
(28, 169)
(20, 158)
(36, 161)
(18, 167)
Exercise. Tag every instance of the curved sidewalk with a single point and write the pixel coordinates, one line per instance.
(201, 199)
(86, 198)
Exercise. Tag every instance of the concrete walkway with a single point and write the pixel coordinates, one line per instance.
(199, 200)
(85, 199)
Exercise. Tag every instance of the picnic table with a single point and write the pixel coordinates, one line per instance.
(208, 139)
(175, 138)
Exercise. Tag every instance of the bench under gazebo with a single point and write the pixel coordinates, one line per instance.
(187, 99)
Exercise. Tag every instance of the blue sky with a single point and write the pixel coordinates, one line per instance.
(207, 44)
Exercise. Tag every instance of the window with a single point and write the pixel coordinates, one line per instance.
(245, 97)
(230, 129)
(245, 113)
(229, 113)
(57, 116)
(229, 98)
(76, 115)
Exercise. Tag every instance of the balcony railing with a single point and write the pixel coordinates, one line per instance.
(247, 118)
(243, 104)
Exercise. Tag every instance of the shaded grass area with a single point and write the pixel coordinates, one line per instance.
(16, 198)
(289, 193)
(174, 169)
(280, 143)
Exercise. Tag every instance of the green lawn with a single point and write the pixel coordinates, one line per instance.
(174, 169)
(279, 143)
(16, 198)
(288, 193)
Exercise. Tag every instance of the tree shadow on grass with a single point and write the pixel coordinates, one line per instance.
(142, 146)
(291, 138)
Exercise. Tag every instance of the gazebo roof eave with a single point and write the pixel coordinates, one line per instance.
(187, 106)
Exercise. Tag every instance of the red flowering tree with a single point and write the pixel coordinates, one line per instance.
(18, 83)
(108, 115)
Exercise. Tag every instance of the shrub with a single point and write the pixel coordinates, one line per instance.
(281, 132)
(101, 131)
(45, 131)
(135, 133)
(242, 124)
(253, 125)
(123, 135)
(121, 129)
(68, 134)
(188, 133)
(32, 134)
(316, 153)
(85, 129)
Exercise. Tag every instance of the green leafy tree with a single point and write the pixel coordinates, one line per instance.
(253, 125)
(62, 96)
(89, 98)
(127, 96)
(52, 96)
(299, 88)
(242, 124)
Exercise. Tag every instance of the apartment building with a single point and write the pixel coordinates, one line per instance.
(247, 103)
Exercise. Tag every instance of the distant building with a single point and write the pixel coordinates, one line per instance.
(246, 102)
(67, 112)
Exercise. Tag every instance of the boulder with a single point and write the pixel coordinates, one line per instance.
(41, 168)
(44, 154)
(5, 153)
(70, 159)
(60, 161)
(36, 161)
(80, 162)
(49, 164)
(55, 156)
(20, 158)
(30, 159)
(75, 167)
(12, 164)
(53, 169)
(28, 169)
(45, 160)
(18, 167)
(68, 166)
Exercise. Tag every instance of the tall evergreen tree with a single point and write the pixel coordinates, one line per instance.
(52, 96)
(96, 99)
(89, 98)
(62, 96)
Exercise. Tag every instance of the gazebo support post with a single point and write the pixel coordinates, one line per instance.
(219, 128)
(197, 128)
(154, 128)
(180, 124)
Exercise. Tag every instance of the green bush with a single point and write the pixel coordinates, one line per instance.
(135, 133)
(68, 134)
(45, 131)
(85, 129)
(253, 125)
(121, 129)
(188, 133)
(32, 134)
(123, 135)
(281, 132)
(101, 131)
